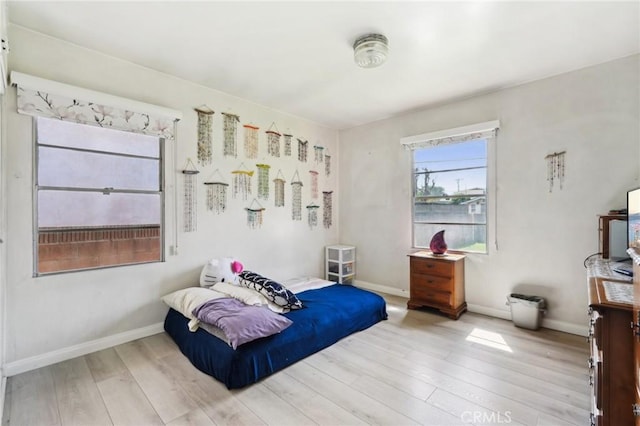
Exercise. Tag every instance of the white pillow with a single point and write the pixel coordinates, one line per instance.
(187, 299)
(248, 296)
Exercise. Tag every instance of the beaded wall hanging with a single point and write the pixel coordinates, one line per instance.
(216, 193)
(273, 141)
(278, 187)
(263, 181)
(312, 215)
(205, 134)
(287, 144)
(254, 214)
(555, 169)
(190, 201)
(296, 197)
(317, 153)
(314, 184)
(230, 127)
(242, 182)
(327, 164)
(303, 146)
(250, 141)
(326, 209)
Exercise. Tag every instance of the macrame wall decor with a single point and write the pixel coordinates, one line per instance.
(303, 146)
(278, 186)
(242, 182)
(230, 132)
(254, 214)
(216, 193)
(312, 215)
(327, 209)
(273, 141)
(327, 164)
(205, 134)
(317, 153)
(190, 201)
(555, 169)
(314, 184)
(296, 197)
(287, 144)
(263, 181)
(250, 141)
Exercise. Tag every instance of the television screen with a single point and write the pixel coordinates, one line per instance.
(633, 220)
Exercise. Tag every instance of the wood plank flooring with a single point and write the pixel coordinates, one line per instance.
(416, 368)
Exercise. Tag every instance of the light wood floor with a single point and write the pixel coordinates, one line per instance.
(415, 368)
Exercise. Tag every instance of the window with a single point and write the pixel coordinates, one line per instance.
(450, 193)
(98, 197)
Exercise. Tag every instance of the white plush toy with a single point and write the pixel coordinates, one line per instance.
(225, 269)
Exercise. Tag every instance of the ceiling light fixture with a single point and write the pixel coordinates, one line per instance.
(370, 50)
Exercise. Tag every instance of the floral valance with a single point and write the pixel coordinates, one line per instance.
(44, 98)
(450, 136)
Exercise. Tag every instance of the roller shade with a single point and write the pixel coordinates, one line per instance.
(459, 134)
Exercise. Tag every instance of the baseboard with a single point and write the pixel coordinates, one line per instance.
(382, 288)
(53, 357)
(564, 326)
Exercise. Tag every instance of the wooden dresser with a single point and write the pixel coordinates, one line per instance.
(611, 354)
(437, 282)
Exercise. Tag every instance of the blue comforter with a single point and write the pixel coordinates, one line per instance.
(330, 314)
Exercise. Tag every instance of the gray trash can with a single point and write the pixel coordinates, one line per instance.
(526, 311)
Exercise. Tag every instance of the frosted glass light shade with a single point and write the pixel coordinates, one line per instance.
(371, 50)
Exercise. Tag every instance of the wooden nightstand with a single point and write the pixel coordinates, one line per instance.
(437, 282)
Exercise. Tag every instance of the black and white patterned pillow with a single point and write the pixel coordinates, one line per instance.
(272, 290)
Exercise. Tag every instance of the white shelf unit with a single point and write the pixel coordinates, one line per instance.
(340, 263)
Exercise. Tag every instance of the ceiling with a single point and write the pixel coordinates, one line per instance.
(297, 57)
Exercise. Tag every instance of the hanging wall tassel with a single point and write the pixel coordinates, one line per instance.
(190, 201)
(205, 135)
(296, 197)
(287, 144)
(278, 185)
(273, 141)
(314, 184)
(230, 130)
(263, 181)
(216, 196)
(555, 169)
(317, 153)
(242, 183)
(327, 209)
(254, 214)
(250, 141)
(302, 150)
(327, 164)
(312, 215)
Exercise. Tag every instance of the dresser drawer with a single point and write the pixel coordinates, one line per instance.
(432, 267)
(431, 282)
(431, 297)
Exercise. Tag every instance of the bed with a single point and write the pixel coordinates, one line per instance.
(330, 313)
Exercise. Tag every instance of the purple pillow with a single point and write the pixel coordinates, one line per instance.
(241, 323)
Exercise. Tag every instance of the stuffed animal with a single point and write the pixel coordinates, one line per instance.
(225, 269)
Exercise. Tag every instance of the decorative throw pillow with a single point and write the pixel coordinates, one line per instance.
(248, 295)
(241, 323)
(272, 290)
(187, 299)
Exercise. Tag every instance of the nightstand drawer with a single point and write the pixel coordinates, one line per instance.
(431, 282)
(430, 296)
(432, 267)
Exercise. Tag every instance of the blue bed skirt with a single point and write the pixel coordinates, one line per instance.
(330, 314)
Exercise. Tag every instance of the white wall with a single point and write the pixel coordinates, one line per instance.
(542, 237)
(55, 312)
